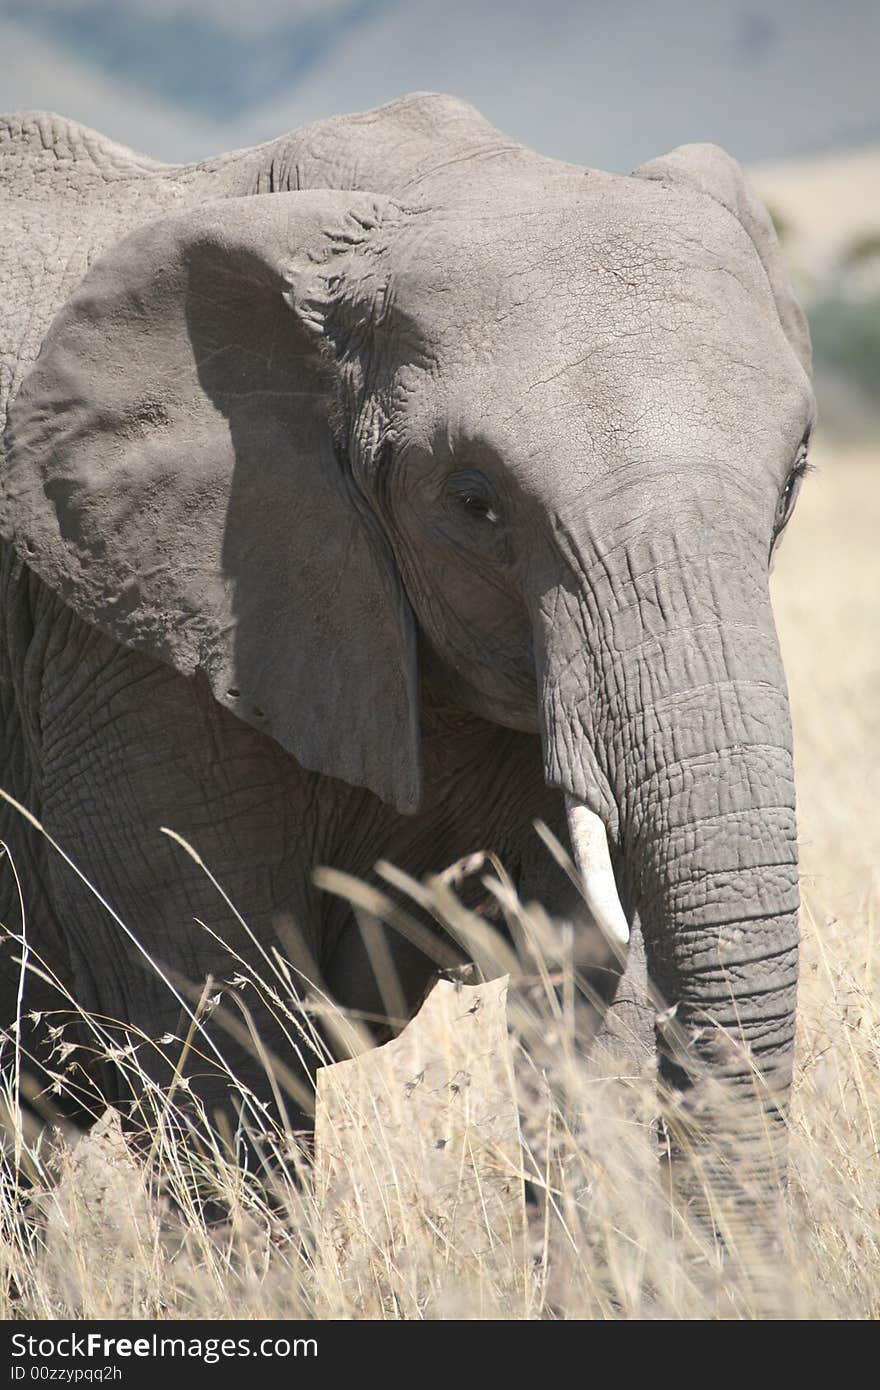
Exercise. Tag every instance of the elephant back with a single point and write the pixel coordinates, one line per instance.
(66, 194)
(424, 146)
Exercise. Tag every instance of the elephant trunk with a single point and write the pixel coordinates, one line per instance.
(666, 716)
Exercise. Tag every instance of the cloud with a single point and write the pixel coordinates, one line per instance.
(257, 17)
(184, 55)
(37, 77)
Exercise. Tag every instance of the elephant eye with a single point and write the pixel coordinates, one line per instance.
(788, 495)
(473, 495)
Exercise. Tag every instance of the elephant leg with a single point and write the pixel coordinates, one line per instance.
(127, 747)
(380, 976)
(625, 1033)
(35, 968)
(540, 879)
(627, 1030)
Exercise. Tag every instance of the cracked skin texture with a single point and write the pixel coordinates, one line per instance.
(371, 489)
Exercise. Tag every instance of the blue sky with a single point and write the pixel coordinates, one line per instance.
(597, 81)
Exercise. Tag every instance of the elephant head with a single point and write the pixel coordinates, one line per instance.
(531, 434)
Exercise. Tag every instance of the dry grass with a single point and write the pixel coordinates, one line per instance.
(99, 1233)
(826, 595)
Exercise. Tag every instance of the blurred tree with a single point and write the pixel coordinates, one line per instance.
(846, 340)
(864, 249)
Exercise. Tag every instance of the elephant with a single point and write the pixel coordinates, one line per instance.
(374, 494)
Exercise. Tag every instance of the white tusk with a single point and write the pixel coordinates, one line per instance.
(590, 845)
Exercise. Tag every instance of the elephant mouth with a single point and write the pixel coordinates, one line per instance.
(592, 857)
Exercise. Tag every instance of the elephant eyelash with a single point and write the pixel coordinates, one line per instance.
(788, 495)
(480, 507)
(801, 468)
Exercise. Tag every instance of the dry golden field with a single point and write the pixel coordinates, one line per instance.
(96, 1234)
(827, 598)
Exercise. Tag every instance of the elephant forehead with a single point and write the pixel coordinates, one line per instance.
(633, 322)
(603, 363)
(604, 248)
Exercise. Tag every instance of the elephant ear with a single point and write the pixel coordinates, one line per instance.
(709, 170)
(171, 472)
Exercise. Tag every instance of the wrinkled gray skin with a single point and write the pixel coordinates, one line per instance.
(372, 489)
